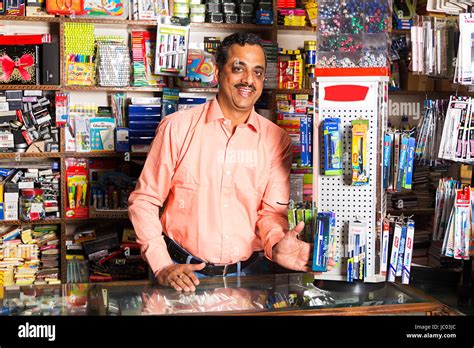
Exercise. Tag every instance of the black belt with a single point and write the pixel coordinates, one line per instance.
(179, 255)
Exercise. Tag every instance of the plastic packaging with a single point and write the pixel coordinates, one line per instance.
(200, 70)
(113, 63)
(116, 9)
(232, 18)
(246, 18)
(215, 18)
(198, 18)
(229, 8)
(32, 205)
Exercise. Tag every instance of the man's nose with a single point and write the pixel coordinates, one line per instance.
(248, 78)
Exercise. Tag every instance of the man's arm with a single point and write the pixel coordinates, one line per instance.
(150, 193)
(272, 223)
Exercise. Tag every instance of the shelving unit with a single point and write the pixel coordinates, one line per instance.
(57, 26)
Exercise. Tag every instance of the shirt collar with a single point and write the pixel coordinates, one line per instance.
(215, 113)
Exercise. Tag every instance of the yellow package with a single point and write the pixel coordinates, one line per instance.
(360, 169)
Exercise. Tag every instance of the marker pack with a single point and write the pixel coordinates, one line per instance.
(332, 140)
(360, 163)
(321, 242)
(171, 48)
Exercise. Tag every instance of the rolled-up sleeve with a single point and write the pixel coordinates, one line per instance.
(272, 222)
(150, 193)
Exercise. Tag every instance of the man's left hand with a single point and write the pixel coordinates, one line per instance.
(294, 254)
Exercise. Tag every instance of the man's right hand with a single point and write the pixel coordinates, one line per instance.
(180, 277)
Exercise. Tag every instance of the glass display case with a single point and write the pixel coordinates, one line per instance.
(280, 294)
(353, 34)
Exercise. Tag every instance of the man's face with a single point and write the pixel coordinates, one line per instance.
(241, 78)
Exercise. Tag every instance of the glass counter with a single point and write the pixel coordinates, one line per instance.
(279, 294)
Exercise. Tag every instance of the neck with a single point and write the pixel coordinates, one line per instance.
(235, 116)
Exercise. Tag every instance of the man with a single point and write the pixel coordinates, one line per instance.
(223, 171)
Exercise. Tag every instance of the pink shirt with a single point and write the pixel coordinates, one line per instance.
(225, 193)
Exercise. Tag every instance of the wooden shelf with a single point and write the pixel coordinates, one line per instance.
(410, 211)
(111, 89)
(255, 27)
(40, 222)
(128, 22)
(199, 90)
(108, 214)
(401, 31)
(4, 87)
(30, 19)
(30, 155)
(296, 28)
(294, 91)
(109, 21)
(94, 154)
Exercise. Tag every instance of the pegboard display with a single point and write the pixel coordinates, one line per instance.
(335, 193)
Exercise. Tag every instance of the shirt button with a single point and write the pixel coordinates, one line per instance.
(228, 172)
(225, 205)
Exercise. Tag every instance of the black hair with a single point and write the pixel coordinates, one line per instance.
(240, 39)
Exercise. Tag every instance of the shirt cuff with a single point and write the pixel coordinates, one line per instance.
(272, 240)
(156, 259)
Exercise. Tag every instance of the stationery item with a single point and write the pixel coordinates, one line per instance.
(356, 250)
(170, 101)
(19, 65)
(113, 61)
(387, 151)
(79, 49)
(65, 7)
(117, 9)
(321, 242)
(82, 132)
(172, 47)
(76, 185)
(200, 70)
(102, 133)
(384, 247)
(332, 135)
(392, 271)
(408, 252)
(360, 165)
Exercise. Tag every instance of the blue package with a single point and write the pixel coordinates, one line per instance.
(321, 242)
(143, 124)
(332, 146)
(144, 110)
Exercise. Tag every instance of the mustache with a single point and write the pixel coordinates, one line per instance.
(238, 85)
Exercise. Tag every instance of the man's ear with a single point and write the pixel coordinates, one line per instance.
(216, 71)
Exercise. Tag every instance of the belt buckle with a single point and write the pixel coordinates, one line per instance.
(224, 272)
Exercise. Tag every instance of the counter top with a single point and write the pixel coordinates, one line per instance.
(279, 294)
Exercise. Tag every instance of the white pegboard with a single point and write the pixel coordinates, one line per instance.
(335, 193)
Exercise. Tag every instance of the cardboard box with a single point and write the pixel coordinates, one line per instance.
(418, 83)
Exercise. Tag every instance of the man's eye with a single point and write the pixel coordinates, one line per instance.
(237, 69)
(259, 73)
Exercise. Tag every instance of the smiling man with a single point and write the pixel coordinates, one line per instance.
(222, 173)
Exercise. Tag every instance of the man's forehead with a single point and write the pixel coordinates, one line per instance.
(243, 55)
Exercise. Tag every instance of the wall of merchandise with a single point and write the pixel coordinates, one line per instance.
(88, 86)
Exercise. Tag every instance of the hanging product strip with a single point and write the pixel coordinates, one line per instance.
(398, 160)
(457, 141)
(397, 241)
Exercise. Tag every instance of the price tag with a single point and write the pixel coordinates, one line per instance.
(36, 207)
(17, 156)
(126, 156)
